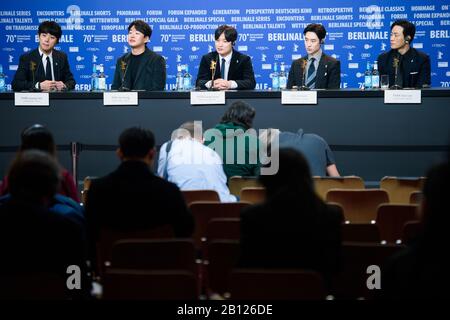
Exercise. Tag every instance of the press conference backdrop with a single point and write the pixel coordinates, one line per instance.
(95, 32)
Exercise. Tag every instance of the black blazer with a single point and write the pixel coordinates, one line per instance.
(151, 75)
(328, 73)
(241, 70)
(415, 67)
(132, 197)
(23, 79)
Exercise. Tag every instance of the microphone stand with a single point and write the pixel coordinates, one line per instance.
(33, 77)
(396, 62)
(303, 87)
(213, 67)
(123, 68)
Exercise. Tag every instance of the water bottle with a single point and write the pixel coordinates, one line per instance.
(375, 76)
(282, 80)
(101, 85)
(275, 77)
(2, 80)
(368, 77)
(94, 78)
(187, 79)
(179, 84)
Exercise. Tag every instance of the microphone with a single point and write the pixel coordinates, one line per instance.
(33, 75)
(124, 69)
(303, 84)
(395, 65)
(213, 67)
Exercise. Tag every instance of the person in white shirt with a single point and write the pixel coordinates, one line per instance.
(189, 164)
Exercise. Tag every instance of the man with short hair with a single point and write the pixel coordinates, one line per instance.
(313, 147)
(33, 237)
(191, 165)
(44, 68)
(412, 66)
(316, 70)
(229, 68)
(132, 197)
(140, 69)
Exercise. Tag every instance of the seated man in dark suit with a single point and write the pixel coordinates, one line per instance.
(132, 197)
(412, 66)
(44, 68)
(317, 70)
(140, 69)
(34, 238)
(293, 228)
(229, 68)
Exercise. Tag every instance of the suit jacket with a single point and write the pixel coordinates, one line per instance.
(133, 198)
(241, 70)
(151, 75)
(282, 233)
(415, 68)
(23, 79)
(328, 73)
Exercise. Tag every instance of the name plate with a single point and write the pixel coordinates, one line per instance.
(403, 96)
(40, 99)
(120, 98)
(298, 97)
(207, 97)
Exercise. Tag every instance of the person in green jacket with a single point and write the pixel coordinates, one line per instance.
(236, 141)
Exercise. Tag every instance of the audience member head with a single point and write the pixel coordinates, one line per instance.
(34, 176)
(38, 137)
(240, 113)
(137, 144)
(188, 130)
(293, 177)
(435, 205)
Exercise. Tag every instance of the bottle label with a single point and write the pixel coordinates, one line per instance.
(187, 83)
(368, 81)
(283, 82)
(2, 84)
(101, 83)
(376, 81)
(275, 83)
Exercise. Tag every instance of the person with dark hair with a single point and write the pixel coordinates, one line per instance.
(39, 137)
(235, 133)
(140, 69)
(33, 238)
(132, 197)
(293, 228)
(44, 68)
(412, 66)
(420, 271)
(316, 70)
(225, 68)
(185, 161)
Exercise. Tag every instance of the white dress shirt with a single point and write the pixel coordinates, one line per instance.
(44, 62)
(193, 166)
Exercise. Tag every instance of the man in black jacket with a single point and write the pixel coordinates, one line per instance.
(132, 197)
(140, 69)
(317, 70)
(44, 68)
(412, 66)
(229, 69)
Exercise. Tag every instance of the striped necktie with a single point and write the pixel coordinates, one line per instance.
(311, 79)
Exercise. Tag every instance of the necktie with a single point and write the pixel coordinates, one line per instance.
(48, 70)
(399, 80)
(222, 69)
(311, 79)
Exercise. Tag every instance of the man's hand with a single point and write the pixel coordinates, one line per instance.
(60, 85)
(222, 84)
(48, 85)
